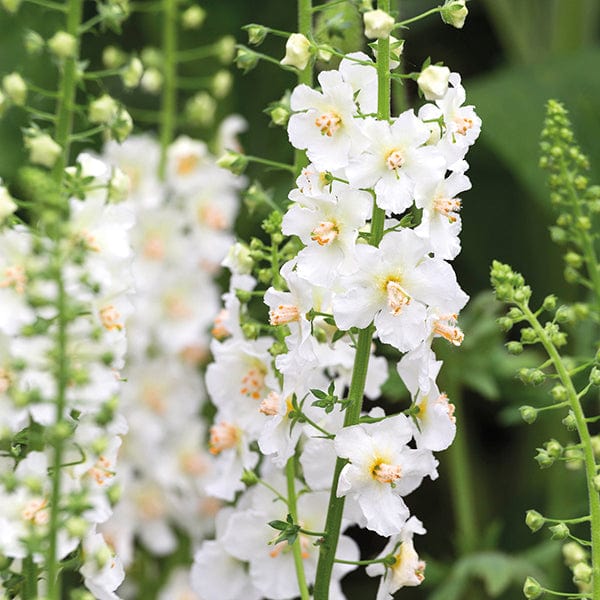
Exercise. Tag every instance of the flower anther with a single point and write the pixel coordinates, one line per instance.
(448, 207)
(101, 471)
(110, 318)
(324, 233)
(328, 123)
(397, 296)
(270, 405)
(154, 248)
(5, 380)
(212, 217)
(385, 473)
(35, 511)
(394, 160)
(443, 400)
(463, 124)
(219, 330)
(446, 327)
(14, 277)
(187, 163)
(283, 314)
(223, 436)
(253, 382)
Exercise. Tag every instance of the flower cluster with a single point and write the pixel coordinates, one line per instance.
(376, 213)
(182, 233)
(65, 290)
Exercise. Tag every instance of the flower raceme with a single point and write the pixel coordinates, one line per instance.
(270, 389)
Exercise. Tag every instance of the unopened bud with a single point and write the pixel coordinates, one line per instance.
(582, 573)
(200, 109)
(256, 34)
(103, 110)
(43, 150)
(570, 422)
(433, 81)
(559, 531)
(378, 24)
(113, 57)
(280, 116)
(152, 81)
(534, 520)
(595, 376)
(132, 73)
(34, 42)
(454, 12)
(554, 448)
(297, 51)
(249, 477)
(529, 414)
(225, 49)
(543, 459)
(15, 88)
(11, 6)
(514, 347)
(233, 161)
(122, 126)
(532, 589)
(63, 45)
(573, 553)
(193, 17)
(221, 83)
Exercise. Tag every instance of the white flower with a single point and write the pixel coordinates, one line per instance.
(378, 24)
(363, 79)
(393, 286)
(381, 468)
(394, 162)
(102, 571)
(433, 81)
(324, 122)
(7, 205)
(408, 568)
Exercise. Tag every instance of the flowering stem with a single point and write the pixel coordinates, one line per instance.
(363, 349)
(30, 589)
(197, 53)
(169, 93)
(63, 129)
(584, 436)
(290, 471)
(424, 15)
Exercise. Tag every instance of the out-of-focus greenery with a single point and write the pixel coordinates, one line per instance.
(513, 56)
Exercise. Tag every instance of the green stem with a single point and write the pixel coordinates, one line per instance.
(196, 53)
(362, 562)
(290, 472)
(63, 129)
(424, 15)
(49, 4)
(586, 443)
(270, 163)
(363, 349)
(461, 476)
(169, 92)
(30, 572)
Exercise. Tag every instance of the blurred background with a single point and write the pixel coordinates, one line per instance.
(513, 56)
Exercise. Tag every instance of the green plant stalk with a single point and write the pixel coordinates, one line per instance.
(290, 472)
(363, 350)
(30, 589)
(63, 130)
(305, 11)
(169, 93)
(586, 443)
(461, 476)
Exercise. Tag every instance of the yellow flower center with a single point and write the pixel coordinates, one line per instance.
(283, 314)
(448, 207)
(223, 436)
(328, 123)
(324, 233)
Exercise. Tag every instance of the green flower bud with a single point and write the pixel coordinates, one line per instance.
(596, 482)
(534, 520)
(114, 494)
(193, 17)
(543, 459)
(152, 81)
(454, 12)
(122, 126)
(549, 302)
(514, 347)
(554, 448)
(280, 115)
(595, 376)
(582, 573)
(559, 393)
(113, 57)
(573, 553)
(63, 45)
(77, 527)
(249, 478)
(244, 296)
(233, 161)
(132, 73)
(505, 323)
(152, 57)
(256, 34)
(529, 414)
(378, 24)
(225, 49)
(15, 88)
(43, 150)
(532, 589)
(278, 348)
(200, 109)
(246, 59)
(565, 314)
(221, 83)
(60, 431)
(570, 422)
(103, 110)
(251, 330)
(595, 441)
(34, 42)
(573, 259)
(528, 335)
(573, 458)
(559, 531)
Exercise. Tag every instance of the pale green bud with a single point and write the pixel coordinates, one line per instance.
(43, 150)
(76, 527)
(11, 6)
(454, 12)
(233, 161)
(113, 57)
(221, 83)
(596, 482)
(120, 185)
(132, 73)
(433, 81)
(559, 393)
(573, 459)
(249, 478)
(122, 126)
(226, 49)
(595, 376)
(152, 81)
(532, 589)
(34, 42)
(582, 573)
(103, 110)
(200, 109)
(256, 34)
(560, 531)
(238, 259)
(529, 414)
(595, 440)
(573, 553)
(534, 520)
(280, 115)
(15, 88)
(193, 17)
(554, 448)
(152, 57)
(570, 422)
(102, 557)
(378, 24)
(63, 45)
(297, 51)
